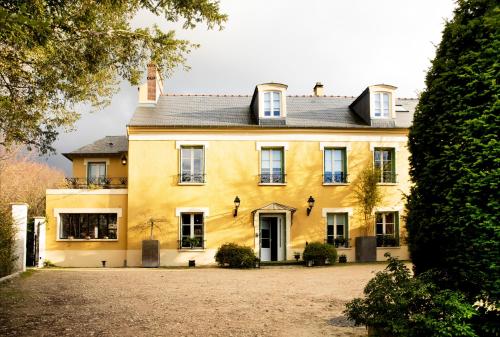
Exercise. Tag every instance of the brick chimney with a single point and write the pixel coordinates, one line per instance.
(153, 88)
(318, 89)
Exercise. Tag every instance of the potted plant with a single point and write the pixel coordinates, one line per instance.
(71, 237)
(191, 242)
(150, 247)
(296, 255)
(342, 258)
(368, 195)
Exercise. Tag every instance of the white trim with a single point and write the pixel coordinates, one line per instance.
(260, 145)
(62, 191)
(387, 209)
(348, 210)
(346, 145)
(96, 160)
(180, 143)
(118, 211)
(313, 137)
(204, 210)
(389, 145)
(58, 211)
(288, 224)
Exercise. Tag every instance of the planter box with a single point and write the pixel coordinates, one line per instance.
(150, 253)
(366, 249)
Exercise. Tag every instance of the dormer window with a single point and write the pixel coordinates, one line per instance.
(272, 104)
(381, 104)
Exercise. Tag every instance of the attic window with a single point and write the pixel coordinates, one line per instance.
(381, 104)
(272, 104)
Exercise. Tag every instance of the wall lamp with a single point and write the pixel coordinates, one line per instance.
(310, 202)
(124, 159)
(236, 206)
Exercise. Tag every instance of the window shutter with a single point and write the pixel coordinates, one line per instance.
(396, 221)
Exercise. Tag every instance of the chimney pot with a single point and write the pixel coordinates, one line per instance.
(318, 89)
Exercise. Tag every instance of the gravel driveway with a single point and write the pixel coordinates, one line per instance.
(272, 301)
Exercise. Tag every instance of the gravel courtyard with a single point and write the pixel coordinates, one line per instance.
(272, 301)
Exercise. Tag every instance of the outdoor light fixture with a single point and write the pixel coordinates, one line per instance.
(310, 202)
(124, 159)
(236, 206)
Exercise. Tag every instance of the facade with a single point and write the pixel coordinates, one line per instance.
(270, 171)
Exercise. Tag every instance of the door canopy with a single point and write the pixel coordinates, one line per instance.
(274, 206)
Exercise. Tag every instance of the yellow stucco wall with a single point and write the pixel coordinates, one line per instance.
(232, 168)
(114, 168)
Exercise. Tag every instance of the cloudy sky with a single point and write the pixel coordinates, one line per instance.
(347, 45)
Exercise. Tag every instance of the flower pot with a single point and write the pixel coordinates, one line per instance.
(150, 253)
(366, 249)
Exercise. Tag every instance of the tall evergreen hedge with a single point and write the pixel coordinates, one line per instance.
(453, 221)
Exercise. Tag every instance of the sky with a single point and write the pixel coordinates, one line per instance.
(346, 45)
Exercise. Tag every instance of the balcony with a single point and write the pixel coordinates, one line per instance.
(388, 178)
(387, 240)
(191, 243)
(272, 178)
(96, 183)
(335, 178)
(339, 242)
(188, 178)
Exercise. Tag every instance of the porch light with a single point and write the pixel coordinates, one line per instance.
(124, 159)
(236, 206)
(310, 202)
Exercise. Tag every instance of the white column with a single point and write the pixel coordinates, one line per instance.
(40, 231)
(20, 219)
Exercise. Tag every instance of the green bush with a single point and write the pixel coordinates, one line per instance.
(234, 256)
(397, 304)
(7, 241)
(319, 253)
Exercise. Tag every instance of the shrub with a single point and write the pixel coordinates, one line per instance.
(342, 258)
(7, 241)
(319, 253)
(234, 256)
(397, 304)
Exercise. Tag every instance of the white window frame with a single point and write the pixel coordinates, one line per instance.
(393, 165)
(283, 162)
(271, 103)
(346, 225)
(381, 95)
(345, 164)
(191, 228)
(203, 173)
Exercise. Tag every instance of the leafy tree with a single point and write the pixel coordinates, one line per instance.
(453, 221)
(55, 54)
(368, 195)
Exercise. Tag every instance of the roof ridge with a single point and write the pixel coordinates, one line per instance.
(240, 95)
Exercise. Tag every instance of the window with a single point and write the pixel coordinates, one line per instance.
(272, 104)
(192, 230)
(385, 165)
(192, 164)
(335, 170)
(381, 104)
(96, 173)
(386, 229)
(271, 167)
(88, 226)
(336, 229)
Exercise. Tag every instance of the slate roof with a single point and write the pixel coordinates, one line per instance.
(218, 111)
(107, 145)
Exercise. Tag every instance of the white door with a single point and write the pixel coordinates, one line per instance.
(265, 239)
(280, 238)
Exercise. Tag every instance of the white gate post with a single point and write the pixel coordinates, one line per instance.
(40, 231)
(20, 219)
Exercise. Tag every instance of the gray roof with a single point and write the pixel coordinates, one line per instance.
(234, 111)
(104, 146)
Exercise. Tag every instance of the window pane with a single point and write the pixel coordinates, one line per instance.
(198, 218)
(276, 104)
(380, 229)
(389, 229)
(328, 161)
(186, 230)
(186, 218)
(267, 104)
(340, 219)
(389, 217)
(198, 230)
(340, 230)
(386, 105)
(329, 230)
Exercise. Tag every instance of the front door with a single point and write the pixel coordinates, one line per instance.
(272, 245)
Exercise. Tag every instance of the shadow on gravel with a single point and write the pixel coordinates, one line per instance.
(341, 321)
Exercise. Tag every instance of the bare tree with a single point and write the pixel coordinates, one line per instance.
(367, 194)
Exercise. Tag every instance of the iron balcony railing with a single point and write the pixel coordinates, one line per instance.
(339, 242)
(387, 240)
(198, 178)
(97, 182)
(388, 177)
(191, 243)
(335, 178)
(272, 178)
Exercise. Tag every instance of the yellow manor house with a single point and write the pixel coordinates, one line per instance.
(270, 171)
